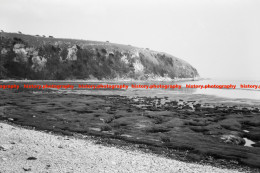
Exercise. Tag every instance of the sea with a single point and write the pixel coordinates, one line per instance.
(249, 93)
(252, 90)
(239, 92)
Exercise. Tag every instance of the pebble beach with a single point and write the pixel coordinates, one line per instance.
(24, 150)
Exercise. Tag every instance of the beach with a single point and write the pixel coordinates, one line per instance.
(177, 124)
(23, 150)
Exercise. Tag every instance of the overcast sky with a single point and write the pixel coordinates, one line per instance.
(221, 38)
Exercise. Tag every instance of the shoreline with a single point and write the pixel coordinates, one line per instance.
(47, 153)
(104, 81)
(124, 121)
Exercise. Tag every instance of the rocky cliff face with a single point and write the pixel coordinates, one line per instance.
(34, 57)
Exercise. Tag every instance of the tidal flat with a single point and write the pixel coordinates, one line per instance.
(187, 127)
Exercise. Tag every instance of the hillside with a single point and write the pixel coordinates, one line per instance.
(37, 57)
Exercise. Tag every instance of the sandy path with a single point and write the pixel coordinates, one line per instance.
(61, 154)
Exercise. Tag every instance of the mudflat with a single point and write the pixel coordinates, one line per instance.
(180, 129)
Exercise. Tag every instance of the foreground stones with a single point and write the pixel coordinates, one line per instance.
(84, 156)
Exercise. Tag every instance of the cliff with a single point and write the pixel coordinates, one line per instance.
(39, 57)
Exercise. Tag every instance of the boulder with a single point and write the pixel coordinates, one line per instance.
(232, 139)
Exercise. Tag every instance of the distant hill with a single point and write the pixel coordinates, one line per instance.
(37, 57)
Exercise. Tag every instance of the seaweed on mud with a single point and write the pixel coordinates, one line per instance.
(196, 130)
(158, 129)
(106, 127)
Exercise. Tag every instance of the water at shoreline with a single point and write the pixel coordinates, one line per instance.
(237, 93)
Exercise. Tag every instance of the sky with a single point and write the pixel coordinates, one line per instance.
(220, 38)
